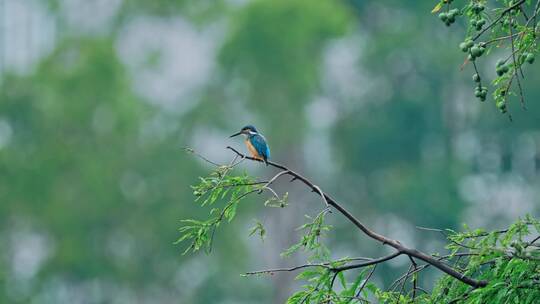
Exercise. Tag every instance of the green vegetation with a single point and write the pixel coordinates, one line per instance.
(512, 26)
(367, 98)
(508, 260)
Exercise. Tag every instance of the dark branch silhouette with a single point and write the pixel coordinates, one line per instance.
(400, 249)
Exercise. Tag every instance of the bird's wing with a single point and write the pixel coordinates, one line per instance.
(259, 143)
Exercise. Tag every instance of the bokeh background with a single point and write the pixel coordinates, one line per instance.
(97, 98)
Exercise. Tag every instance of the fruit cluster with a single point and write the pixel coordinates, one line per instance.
(478, 23)
(449, 17)
(527, 57)
(513, 26)
(474, 50)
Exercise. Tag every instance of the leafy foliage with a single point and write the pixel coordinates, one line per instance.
(221, 186)
(509, 259)
(218, 186)
(311, 240)
(510, 25)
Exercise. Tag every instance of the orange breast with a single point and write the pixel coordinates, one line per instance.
(252, 149)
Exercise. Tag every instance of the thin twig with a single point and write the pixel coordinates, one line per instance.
(273, 179)
(532, 242)
(369, 261)
(516, 67)
(445, 235)
(502, 38)
(504, 12)
(192, 151)
(322, 196)
(366, 280)
(403, 284)
(414, 278)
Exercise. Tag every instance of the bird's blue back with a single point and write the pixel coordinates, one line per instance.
(259, 143)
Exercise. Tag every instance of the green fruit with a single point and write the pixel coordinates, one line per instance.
(500, 62)
(469, 43)
(484, 94)
(453, 12)
(471, 57)
(451, 18)
(463, 47)
(501, 105)
(476, 52)
(530, 58)
(501, 70)
(476, 78)
(480, 93)
(482, 50)
(480, 23)
(473, 22)
(477, 8)
(443, 16)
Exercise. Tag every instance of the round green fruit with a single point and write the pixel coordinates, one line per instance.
(443, 16)
(476, 52)
(530, 58)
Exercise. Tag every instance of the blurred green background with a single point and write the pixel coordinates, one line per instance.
(97, 97)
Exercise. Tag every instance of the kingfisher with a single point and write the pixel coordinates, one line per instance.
(255, 142)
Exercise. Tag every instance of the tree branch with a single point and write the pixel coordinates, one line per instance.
(368, 263)
(401, 249)
(504, 12)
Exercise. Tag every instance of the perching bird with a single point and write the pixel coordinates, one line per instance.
(255, 142)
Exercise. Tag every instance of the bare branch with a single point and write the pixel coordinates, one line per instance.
(366, 280)
(192, 151)
(378, 237)
(368, 263)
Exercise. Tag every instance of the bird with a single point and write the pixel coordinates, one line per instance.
(255, 142)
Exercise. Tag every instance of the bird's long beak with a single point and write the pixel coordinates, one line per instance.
(235, 134)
